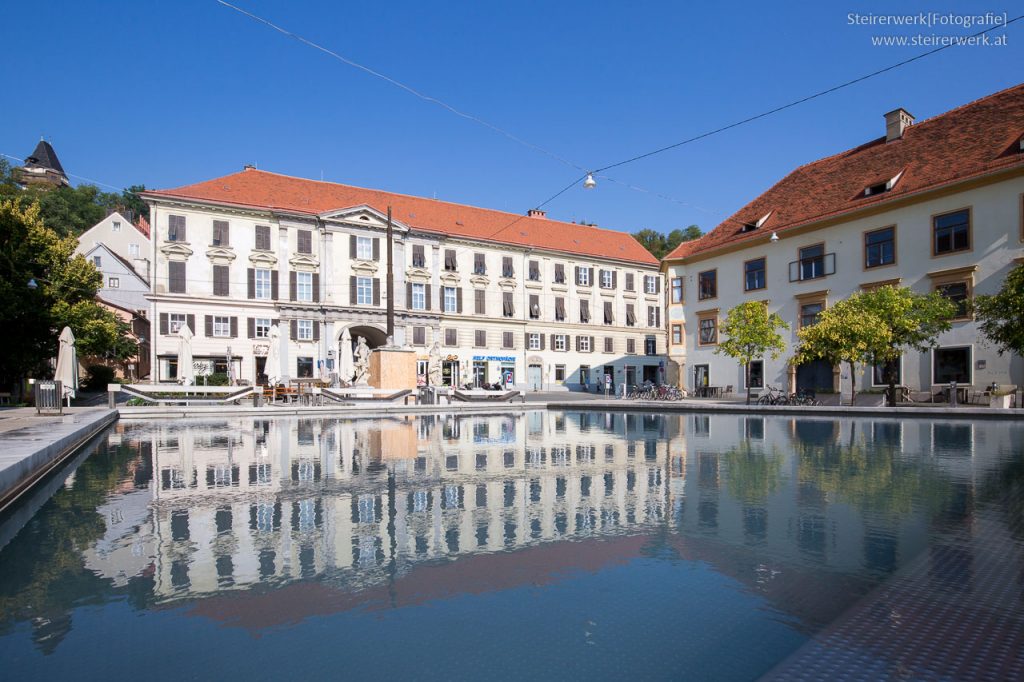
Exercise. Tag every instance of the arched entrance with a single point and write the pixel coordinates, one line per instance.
(816, 376)
(375, 336)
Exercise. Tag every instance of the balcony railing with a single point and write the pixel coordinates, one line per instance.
(813, 267)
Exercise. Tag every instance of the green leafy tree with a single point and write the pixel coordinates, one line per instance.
(131, 200)
(652, 240)
(1000, 316)
(677, 237)
(751, 332)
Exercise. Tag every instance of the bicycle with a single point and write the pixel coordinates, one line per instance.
(773, 396)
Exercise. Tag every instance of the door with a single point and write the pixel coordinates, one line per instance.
(608, 380)
(630, 377)
(701, 377)
(261, 376)
(534, 377)
(814, 376)
(479, 373)
(450, 373)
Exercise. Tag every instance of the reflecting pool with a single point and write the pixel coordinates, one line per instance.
(543, 545)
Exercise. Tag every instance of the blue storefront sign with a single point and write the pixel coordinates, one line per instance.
(495, 358)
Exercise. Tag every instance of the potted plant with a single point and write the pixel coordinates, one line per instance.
(1000, 396)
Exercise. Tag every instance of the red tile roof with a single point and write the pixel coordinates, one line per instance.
(260, 189)
(972, 140)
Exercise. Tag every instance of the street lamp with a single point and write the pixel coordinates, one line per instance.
(590, 182)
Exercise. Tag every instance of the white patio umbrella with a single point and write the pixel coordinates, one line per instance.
(346, 365)
(67, 365)
(186, 372)
(273, 367)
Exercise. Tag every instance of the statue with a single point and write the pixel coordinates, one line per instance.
(362, 362)
(434, 365)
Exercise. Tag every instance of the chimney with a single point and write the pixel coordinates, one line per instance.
(536, 213)
(248, 166)
(897, 121)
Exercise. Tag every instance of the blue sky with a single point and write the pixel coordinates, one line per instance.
(172, 93)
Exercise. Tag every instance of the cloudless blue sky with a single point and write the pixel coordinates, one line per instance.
(171, 93)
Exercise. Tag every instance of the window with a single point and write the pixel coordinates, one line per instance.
(133, 250)
(220, 233)
(480, 301)
(756, 371)
(304, 330)
(303, 286)
(630, 281)
(364, 248)
(533, 341)
(677, 289)
(176, 276)
(707, 285)
(609, 344)
(952, 232)
(506, 267)
(650, 346)
(809, 313)
(584, 311)
(609, 317)
(419, 296)
(951, 364)
(708, 328)
(631, 346)
(879, 376)
(261, 328)
(451, 303)
(959, 294)
(508, 309)
(812, 262)
(304, 368)
(559, 309)
(584, 343)
(561, 342)
(630, 315)
(880, 247)
(364, 291)
(221, 287)
(583, 276)
(113, 283)
(304, 241)
(534, 307)
(176, 228)
(419, 336)
(559, 372)
(653, 316)
(97, 261)
(262, 280)
(480, 338)
(263, 237)
(651, 283)
(508, 340)
(115, 226)
(451, 337)
(479, 264)
(754, 275)
(221, 326)
(176, 321)
(419, 260)
(606, 279)
(677, 335)
(559, 273)
(534, 271)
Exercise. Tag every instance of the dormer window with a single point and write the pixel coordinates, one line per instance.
(881, 187)
(750, 227)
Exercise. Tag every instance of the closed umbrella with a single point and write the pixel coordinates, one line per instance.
(273, 367)
(186, 372)
(346, 365)
(67, 365)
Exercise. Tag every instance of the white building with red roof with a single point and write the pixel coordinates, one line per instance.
(518, 299)
(933, 205)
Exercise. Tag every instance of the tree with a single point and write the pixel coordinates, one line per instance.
(131, 200)
(677, 237)
(750, 332)
(64, 296)
(1000, 316)
(846, 332)
(659, 245)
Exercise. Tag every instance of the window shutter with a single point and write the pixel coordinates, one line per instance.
(541, 341)
(352, 289)
(376, 248)
(590, 276)
(220, 280)
(418, 259)
(352, 249)
(294, 331)
(591, 344)
(615, 279)
(234, 327)
(577, 274)
(657, 317)
(190, 320)
(426, 296)
(552, 342)
(220, 233)
(208, 324)
(163, 324)
(408, 295)
(291, 285)
(657, 284)
(458, 300)
(273, 284)
(578, 344)
(629, 281)
(526, 340)
(316, 330)
(316, 286)
(440, 299)
(250, 282)
(250, 327)
(480, 302)
(376, 291)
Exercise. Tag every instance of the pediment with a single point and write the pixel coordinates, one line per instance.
(450, 278)
(506, 284)
(417, 275)
(176, 250)
(365, 267)
(220, 255)
(263, 260)
(479, 280)
(303, 261)
(363, 216)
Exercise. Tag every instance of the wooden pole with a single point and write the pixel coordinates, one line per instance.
(391, 280)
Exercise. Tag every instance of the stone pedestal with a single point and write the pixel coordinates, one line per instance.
(393, 369)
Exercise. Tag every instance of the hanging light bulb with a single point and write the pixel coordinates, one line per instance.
(774, 237)
(590, 182)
